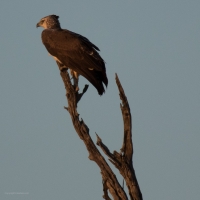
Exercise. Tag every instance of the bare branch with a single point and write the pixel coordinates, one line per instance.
(110, 181)
(127, 147)
(123, 161)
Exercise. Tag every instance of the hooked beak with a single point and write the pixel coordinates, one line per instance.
(38, 25)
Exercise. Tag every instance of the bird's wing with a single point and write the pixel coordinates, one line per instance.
(77, 53)
(71, 48)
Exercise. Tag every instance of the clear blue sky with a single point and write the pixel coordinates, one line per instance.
(154, 47)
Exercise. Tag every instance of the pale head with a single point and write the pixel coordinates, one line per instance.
(49, 22)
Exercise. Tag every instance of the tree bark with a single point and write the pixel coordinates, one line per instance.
(122, 161)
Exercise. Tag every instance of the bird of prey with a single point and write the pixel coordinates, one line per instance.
(73, 51)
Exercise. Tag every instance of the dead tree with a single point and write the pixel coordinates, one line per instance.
(121, 160)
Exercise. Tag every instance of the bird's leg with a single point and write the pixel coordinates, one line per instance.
(75, 79)
(61, 66)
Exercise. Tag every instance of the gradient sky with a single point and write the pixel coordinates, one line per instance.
(154, 47)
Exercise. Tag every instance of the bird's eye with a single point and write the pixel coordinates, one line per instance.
(42, 21)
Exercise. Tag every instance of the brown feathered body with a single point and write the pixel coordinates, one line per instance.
(75, 52)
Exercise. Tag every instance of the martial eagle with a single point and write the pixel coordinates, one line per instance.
(74, 51)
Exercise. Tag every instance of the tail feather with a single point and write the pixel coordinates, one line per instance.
(95, 77)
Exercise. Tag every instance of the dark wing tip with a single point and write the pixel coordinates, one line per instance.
(100, 91)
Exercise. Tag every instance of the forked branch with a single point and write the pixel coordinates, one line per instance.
(122, 160)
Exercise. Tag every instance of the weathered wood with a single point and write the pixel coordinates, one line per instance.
(109, 179)
(122, 161)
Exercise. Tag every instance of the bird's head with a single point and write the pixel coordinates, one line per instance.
(50, 21)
